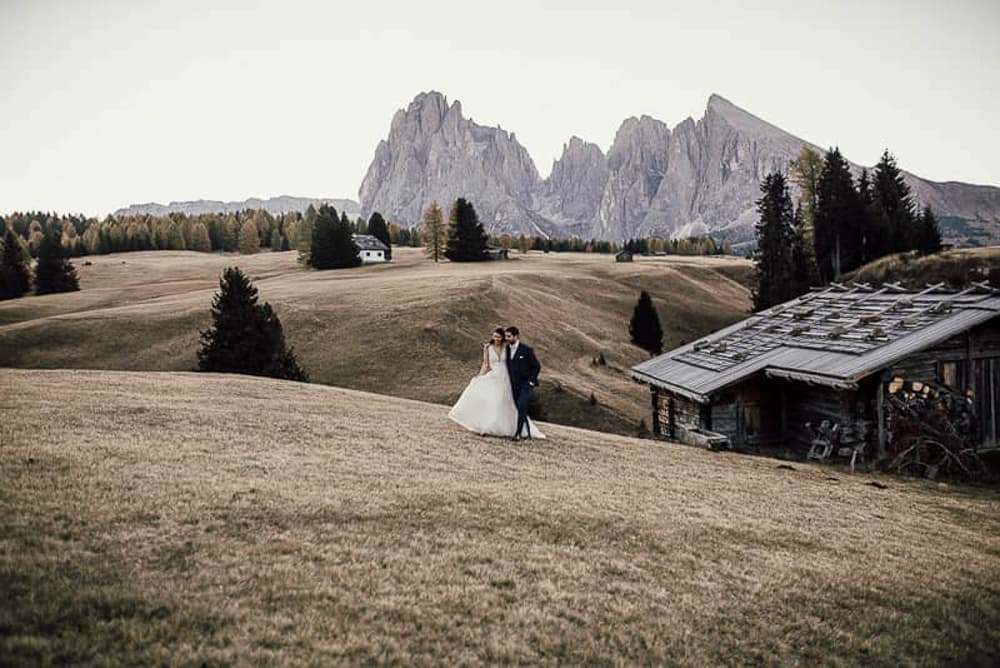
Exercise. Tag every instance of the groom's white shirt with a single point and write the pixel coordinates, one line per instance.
(513, 349)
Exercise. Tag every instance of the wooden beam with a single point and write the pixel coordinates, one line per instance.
(880, 415)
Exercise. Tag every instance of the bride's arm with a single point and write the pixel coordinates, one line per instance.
(486, 360)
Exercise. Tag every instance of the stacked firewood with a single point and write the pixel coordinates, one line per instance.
(931, 431)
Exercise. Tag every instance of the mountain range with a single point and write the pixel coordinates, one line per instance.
(273, 205)
(695, 178)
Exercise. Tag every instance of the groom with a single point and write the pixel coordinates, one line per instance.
(523, 368)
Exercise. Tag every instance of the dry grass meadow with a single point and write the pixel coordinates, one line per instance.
(200, 519)
(412, 329)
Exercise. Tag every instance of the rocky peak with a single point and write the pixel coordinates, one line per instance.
(434, 152)
(701, 177)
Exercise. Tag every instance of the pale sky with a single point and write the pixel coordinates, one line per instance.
(110, 103)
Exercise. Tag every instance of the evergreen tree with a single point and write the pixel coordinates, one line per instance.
(249, 237)
(926, 235)
(278, 241)
(644, 327)
(378, 229)
(321, 242)
(804, 271)
(54, 273)
(874, 240)
(245, 337)
(466, 236)
(15, 277)
(893, 204)
(433, 231)
(200, 240)
(775, 243)
(838, 219)
(345, 252)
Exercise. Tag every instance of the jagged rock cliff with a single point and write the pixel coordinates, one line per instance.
(701, 177)
(433, 152)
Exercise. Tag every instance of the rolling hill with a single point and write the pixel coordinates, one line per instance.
(410, 329)
(202, 519)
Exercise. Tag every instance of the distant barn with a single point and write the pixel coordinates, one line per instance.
(370, 249)
(831, 355)
(623, 256)
(497, 253)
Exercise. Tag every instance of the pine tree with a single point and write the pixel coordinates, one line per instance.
(775, 243)
(927, 236)
(378, 229)
(874, 240)
(345, 252)
(433, 231)
(644, 327)
(15, 277)
(893, 204)
(321, 242)
(804, 271)
(838, 219)
(245, 337)
(466, 236)
(54, 273)
(200, 240)
(249, 237)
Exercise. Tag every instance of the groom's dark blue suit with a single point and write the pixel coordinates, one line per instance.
(523, 369)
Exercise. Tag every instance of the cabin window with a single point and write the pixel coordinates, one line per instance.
(953, 374)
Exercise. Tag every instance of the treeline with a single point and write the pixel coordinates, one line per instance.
(838, 224)
(702, 245)
(52, 272)
(245, 231)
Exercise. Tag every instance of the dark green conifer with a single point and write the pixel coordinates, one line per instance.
(245, 337)
(775, 244)
(893, 204)
(54, 273)
(644, 327)
(378, 229)
(15, 277)
(466, 237)
(838, 219)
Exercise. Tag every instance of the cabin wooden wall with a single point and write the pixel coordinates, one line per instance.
(671, 411)
(974, 358)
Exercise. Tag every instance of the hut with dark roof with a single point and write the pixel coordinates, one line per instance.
(371, 249)
(832, 357)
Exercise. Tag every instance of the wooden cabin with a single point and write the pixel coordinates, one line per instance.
(371, 249)
(833, 355)
(497, 253)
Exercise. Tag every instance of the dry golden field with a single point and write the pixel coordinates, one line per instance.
(411, 329)
(208, 520)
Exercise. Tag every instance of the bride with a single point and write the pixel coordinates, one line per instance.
(487, 404)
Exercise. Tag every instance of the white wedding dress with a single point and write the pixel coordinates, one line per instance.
(487, 404)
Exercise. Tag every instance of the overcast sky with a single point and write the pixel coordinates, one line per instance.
(110, 103)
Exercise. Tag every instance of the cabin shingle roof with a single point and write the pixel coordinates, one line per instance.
(834, 336)
(368, 242)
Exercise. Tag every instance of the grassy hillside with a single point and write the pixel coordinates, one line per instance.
(185, 518)
(413, 329)
(955, 268)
